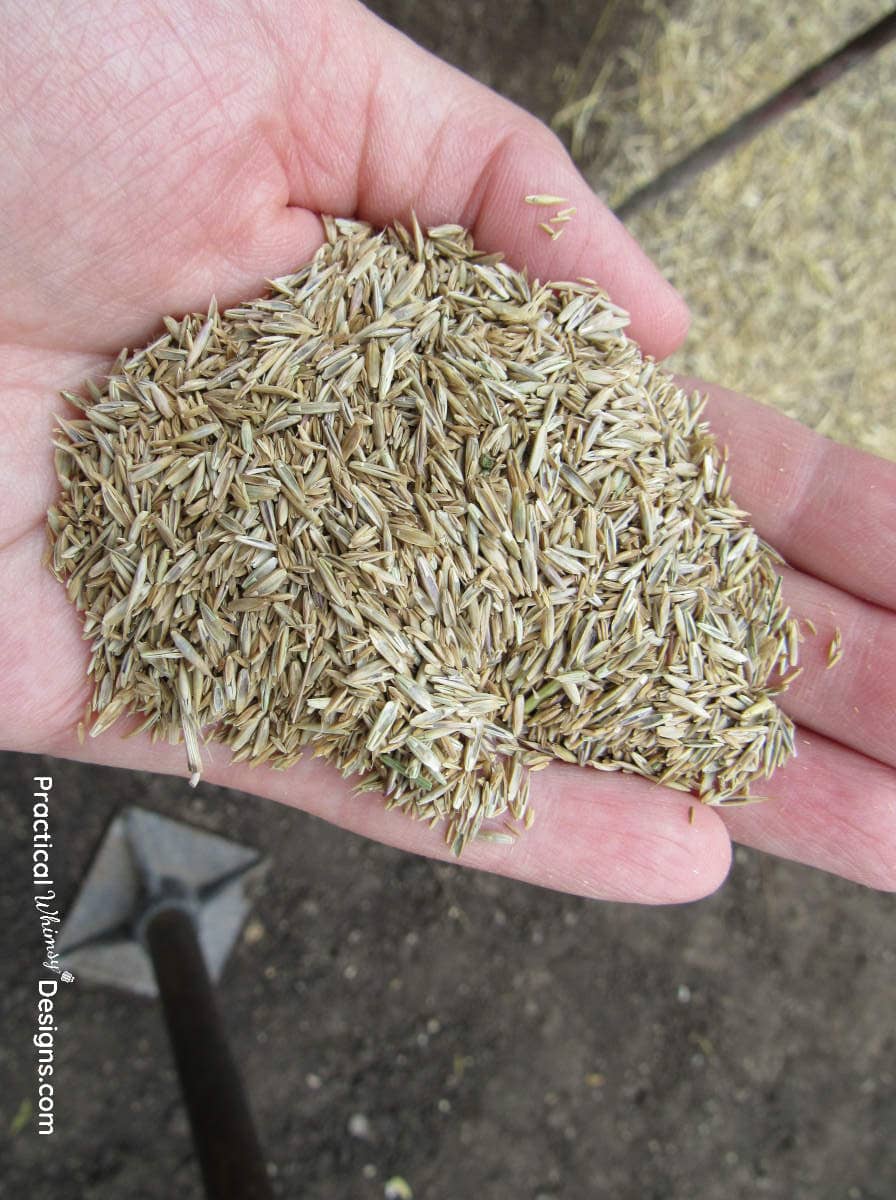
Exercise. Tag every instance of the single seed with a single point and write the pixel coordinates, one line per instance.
(835, 649)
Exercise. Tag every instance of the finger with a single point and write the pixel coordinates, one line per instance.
(433, 140)
(853, 702)
(608, 837)
(829, 808)
(830, 510)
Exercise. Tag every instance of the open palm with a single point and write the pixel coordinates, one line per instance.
(157, 154)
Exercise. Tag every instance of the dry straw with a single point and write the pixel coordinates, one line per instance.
(437, 522)
(779, 247)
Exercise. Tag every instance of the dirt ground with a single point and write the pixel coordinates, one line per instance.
(485, 1038)
(474, 1036)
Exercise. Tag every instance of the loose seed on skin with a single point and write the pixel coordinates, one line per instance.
(835, 649)
(546, 201)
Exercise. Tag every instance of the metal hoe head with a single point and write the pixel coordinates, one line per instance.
(144, 861)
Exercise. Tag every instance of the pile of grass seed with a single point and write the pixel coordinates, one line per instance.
(436, 522)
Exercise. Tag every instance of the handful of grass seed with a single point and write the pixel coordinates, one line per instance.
(439, 523)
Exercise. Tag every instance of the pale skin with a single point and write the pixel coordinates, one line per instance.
(156, 154)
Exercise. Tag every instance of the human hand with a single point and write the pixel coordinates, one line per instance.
(154, 157)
